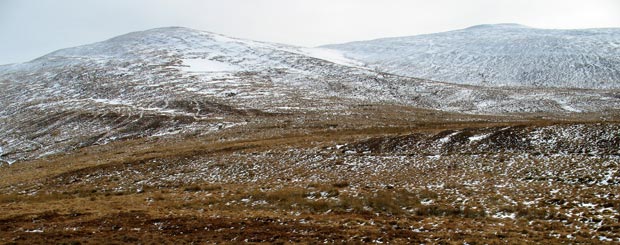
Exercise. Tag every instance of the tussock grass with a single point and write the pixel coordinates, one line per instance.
(288, 184)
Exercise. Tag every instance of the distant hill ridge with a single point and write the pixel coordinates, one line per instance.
(499, 55)
(180, 81)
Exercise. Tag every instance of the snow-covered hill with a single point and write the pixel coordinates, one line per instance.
(155, 82)
(175, 80)
(500, 55)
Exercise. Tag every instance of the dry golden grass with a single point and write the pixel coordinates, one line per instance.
(127, 192)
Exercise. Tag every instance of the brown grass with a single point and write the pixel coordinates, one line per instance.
(99, 194)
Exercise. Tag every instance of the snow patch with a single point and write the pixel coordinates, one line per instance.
(567, 106)
(478, 137)
(588, 205)
(331, 55)
(204, 65)
(447, 138)
(426, 202)
(434, 157)
(111, 101)
(34, 231)
(289, 108)
(503, 215)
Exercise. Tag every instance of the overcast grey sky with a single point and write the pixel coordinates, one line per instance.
(32, 28)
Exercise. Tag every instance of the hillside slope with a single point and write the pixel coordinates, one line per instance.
(177, 136)
(500, 55)
(178, 81)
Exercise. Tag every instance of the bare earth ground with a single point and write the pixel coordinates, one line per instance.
(380, 174)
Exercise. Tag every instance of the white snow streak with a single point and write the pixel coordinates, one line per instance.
(204, 65)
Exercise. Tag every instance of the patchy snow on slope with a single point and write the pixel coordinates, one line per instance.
(140, 83)
(34, 231)
(504, 215)
(112, 101)
(205, 65)
(447, 138)
(331, 55)
(567, 106)
(479, 137)
(499, 55)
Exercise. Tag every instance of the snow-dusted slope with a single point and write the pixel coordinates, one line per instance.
(155, 82)
(500, 55)
(169, 81)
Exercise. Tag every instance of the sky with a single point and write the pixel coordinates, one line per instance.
(32, 28)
